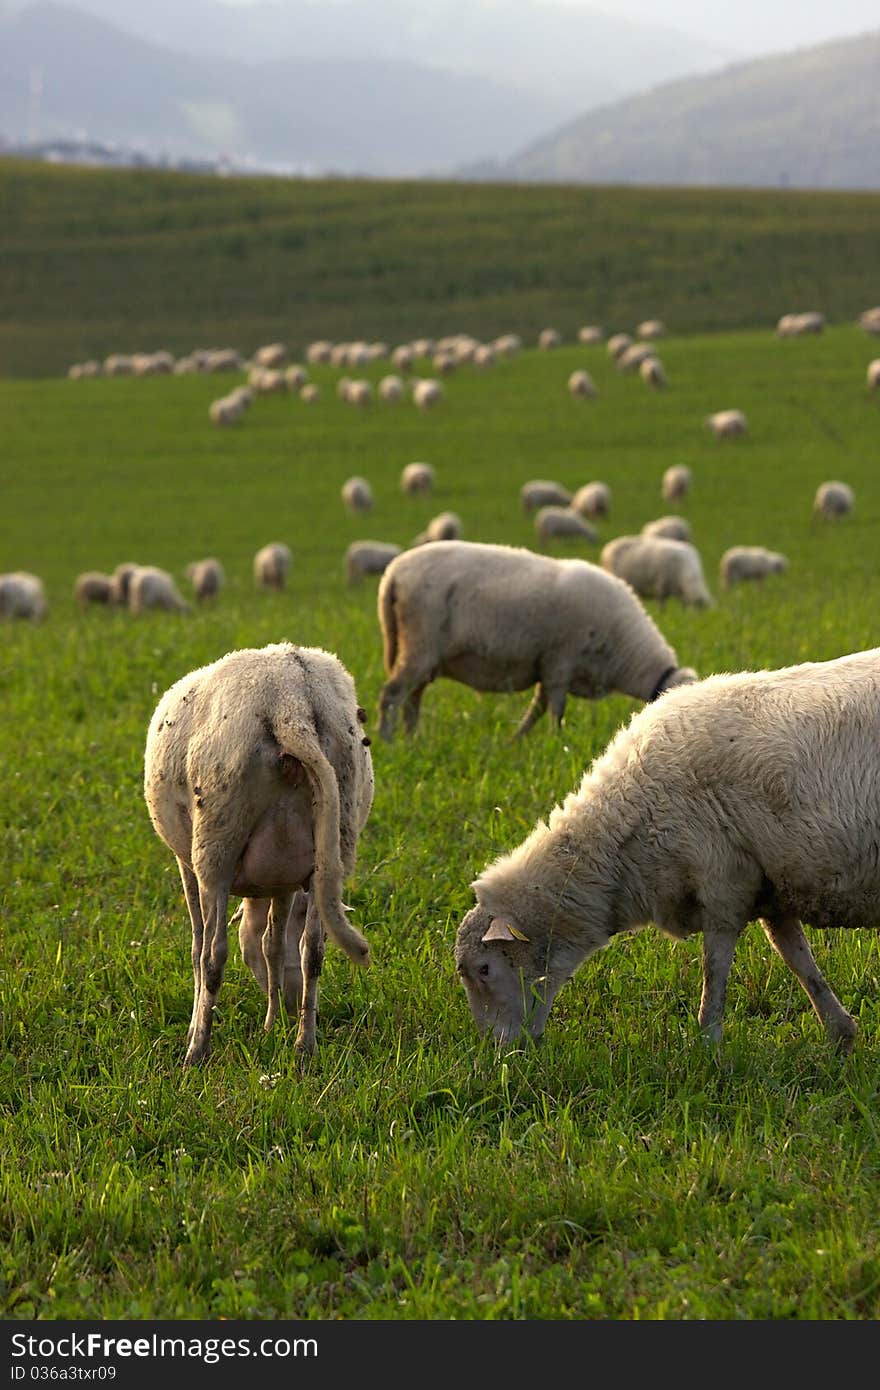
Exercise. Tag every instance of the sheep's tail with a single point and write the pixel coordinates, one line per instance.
(301, 742)
(388, 621)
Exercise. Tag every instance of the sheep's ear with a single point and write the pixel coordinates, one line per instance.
(502, 929)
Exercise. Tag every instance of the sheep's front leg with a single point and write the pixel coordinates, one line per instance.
(411, 707)
(312, 960)
(273, 943)
(212, 962)
(719, 944)
(786, 936)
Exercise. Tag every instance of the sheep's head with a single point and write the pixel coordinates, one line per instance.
(511, 973)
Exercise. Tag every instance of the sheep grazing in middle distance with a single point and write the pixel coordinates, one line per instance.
(674, 528)
(357, 495)
(207, 578)
(592, 500)
(153, 588)
(22, 595)
(676, 483)
(833, 499)
(93, 587)
(551, 522)
(499, 618)
(658, 568)
(727, 424)
(541, 492)
(417, 478)
(258, 777)
(872, 376)
(652, 371)
(549, 338)
(271, 564)
(120, 581)
(368, 557)
(426, 393)
(445, 526)
(582, 386)
(751, 796)
(749, 562)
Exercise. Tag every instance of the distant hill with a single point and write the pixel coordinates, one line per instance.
(807, 119)
(66, 74)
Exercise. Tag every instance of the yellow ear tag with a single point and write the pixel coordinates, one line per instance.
(520, 936)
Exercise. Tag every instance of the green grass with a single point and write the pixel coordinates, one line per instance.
(620, 1170)
(94, 261)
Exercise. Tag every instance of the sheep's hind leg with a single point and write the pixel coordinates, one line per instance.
(191, 893)
(273, 943)
(411, 706)
(786, 936)
(312, 960)
(719, 944)
(209, 972)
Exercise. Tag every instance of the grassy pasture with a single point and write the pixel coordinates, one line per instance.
(620, 1170)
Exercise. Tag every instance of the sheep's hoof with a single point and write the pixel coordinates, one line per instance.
(843, 1035)
(196, 1055)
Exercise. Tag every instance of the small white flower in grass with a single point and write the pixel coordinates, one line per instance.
(269, 1080)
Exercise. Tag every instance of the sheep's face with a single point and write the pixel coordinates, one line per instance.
(510, 980)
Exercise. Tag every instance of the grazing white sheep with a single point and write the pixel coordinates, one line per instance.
(872, 376)
(151, 588)
(272, 355)
(271, 564)
(652, 371)
(549, 338)
(796, 325)
(508, 344)
(749, 796)
(633, 356)
(22, 595)
(295, 377)
(121, 583)
(581, 385)
(445, 526)
(543, 492)
(592, 500)
(402, 357)
(500, 618)
(319, 351)
(93, 587)
(657, 567)
(833, 499)
(749, 562)
(368, 557)
(618, 343)
(591, 333)
(674, 528)
(225, 410)
(726, 424)
(869, 319)
(427, 392)
(484, 356)
(310, 393)
(417, 478)
(357, 494)
(359, 393)
(651, 329)
(207, 577)
(391, 389)
(257, 776)
(551, 522)
(676, 482)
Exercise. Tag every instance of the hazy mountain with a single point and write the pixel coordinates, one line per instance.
(569, 58)
(65, 74)
(810, 119)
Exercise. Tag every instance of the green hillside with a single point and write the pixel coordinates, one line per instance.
(99, 261)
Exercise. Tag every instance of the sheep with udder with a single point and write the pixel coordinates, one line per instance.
(593, 500)
(357, 495)
(674, 528)
(872, 376)
(417, 479)
(657, 567)
(551, 522)
(500, 618)
(427, 392)
(368, 557)
(22, 595)
(676, 482)
(549, 338)
(833, 499)
(750, 796)
(92, 586)
(207, 578)
(271, 564)
(727, 424)
(652, 371)
(446, 526)
(543, 492)
(258, 777)
(749, 562)
(151, 588)
(581, 385)
(617, 344)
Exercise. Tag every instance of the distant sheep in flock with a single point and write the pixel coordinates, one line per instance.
(591, 333)
(542, 492)
(581, 385)
(446, 526)
(833, 499)
(427, 392)
(869, 319)
(207, 578)
(749, 796)
(417, 479)
(796, 325)
(749, 562)
(652, 371)
(310, 393)
(676, 483)
(120, 581)
(632, 357)
(272, 355)
(257, 776)
(549, 338)
(872, 376)
(22, 595)
(151, 588)
(658, 568)
(618, 344)
(93, 587)
(271, 564)
(368, 557)
(727, 424)
(391, 389)
(651, 329)
(357, 495)
(500, 618)
(674, 528)
(592, 500)
(551, 522)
